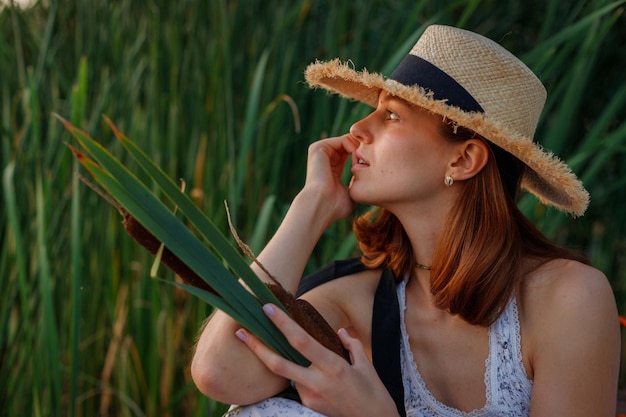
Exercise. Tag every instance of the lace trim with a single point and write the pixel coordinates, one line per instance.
(518, 336)
(416, 377)
(507, 387)
(511, 371)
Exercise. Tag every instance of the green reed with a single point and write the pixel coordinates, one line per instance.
(207, 89)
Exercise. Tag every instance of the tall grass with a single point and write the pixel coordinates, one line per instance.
(213, 91)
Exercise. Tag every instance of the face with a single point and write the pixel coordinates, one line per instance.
(402, 157)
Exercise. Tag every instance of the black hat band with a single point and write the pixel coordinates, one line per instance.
(414, 70)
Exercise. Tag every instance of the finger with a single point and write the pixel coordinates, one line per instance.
(346, 143)
(272, 360)
(297, 336)
(354, 346)
(332, 152)
(339, 147)
(350, 143)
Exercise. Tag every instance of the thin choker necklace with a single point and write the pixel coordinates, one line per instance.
(424, 267)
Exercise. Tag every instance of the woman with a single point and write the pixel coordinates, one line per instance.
(459, 306)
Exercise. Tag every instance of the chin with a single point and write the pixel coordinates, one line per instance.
(360, 197)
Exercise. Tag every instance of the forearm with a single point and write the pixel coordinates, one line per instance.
(225, 369)
(287, 253)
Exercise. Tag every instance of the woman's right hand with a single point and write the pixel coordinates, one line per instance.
(325, 166)
(329, 385)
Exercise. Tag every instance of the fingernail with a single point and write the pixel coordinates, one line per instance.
(269, 309)
(241, 335)
(344, 332)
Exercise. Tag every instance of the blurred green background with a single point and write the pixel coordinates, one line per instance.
(213, 91)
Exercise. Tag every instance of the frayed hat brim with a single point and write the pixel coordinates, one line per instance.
(547, 177)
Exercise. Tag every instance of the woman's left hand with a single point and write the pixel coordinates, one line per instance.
(329, 385)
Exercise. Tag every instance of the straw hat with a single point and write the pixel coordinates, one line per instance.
(477, 84)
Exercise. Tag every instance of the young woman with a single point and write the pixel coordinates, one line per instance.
(458, 306)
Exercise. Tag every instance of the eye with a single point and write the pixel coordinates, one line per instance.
(391, 115)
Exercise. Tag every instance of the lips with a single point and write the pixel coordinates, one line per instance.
(358, 160)
(358, 163)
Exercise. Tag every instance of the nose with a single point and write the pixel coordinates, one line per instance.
(360, 131)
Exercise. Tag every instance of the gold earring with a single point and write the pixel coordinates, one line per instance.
(448, 181)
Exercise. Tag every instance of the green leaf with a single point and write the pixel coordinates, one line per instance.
(204, 226)
(135, 197)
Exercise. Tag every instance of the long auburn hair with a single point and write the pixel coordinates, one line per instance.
(477, 258)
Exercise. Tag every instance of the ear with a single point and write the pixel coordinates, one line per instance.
(471, 158)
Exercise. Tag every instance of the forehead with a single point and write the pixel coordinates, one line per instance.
(385, 97)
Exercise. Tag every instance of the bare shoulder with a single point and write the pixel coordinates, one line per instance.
(347, 302)
(571, 333)
(566, 294)
(562, 285)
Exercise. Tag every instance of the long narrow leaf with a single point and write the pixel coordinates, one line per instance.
(570, 31)
(177, 237)
(185, 206)
(198, 219)
(167, 228)
(252, 112)
(219, 303)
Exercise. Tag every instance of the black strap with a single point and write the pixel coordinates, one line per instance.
(330, 272)
(386, 338)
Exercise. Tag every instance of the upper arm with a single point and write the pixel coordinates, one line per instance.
(347, 302)
(575, 354)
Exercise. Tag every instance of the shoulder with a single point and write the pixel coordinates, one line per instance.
(344, 289)
(343, 274)
(571, 332)
(566, 287)
(346, 301)
(330, 272)
(566, 294)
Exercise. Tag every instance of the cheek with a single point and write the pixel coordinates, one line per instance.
(409, 160)
(415, 169)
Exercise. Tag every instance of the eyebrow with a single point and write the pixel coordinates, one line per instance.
(386, 96)
(391, 98)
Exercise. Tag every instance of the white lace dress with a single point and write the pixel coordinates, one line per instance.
(272, 407)
(507, 387)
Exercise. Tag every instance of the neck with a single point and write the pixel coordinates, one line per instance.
(423, 233)
(418, 290)
(423, 229)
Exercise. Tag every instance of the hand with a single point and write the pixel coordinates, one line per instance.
(330, 385)
(325, 165)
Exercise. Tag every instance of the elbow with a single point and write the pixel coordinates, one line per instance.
(207, 366)
(218, 381)
(200, 378)
(206, 377)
